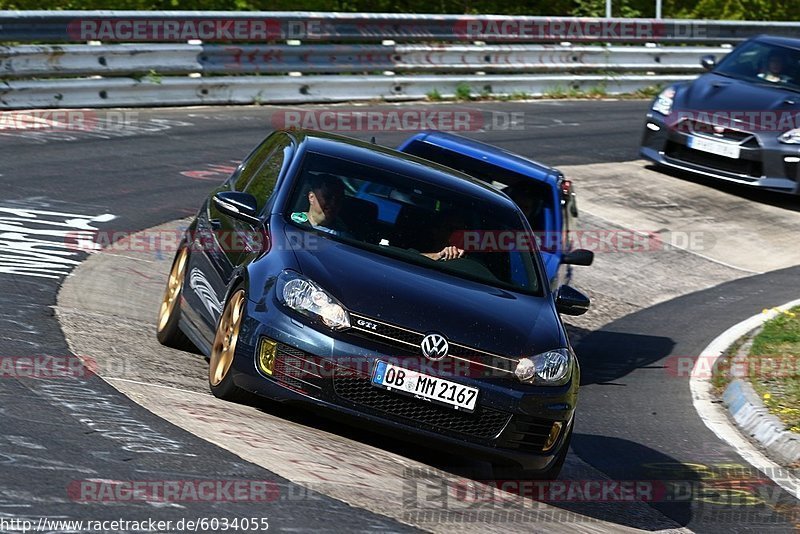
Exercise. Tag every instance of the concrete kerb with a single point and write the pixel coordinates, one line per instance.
(754, 419)
(743, 405)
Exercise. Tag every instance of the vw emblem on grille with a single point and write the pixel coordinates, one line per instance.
(434, 346)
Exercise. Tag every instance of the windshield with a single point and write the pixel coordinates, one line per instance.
(414, 221)
(763, 63)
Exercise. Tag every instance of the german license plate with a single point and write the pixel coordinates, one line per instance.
(720, 148)
(424, 386)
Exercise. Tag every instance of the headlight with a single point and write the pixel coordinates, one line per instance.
(551, 368)
(792, 137)
(663, 102)
(301, 294)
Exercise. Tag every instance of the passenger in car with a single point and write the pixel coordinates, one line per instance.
(774, 68)
(450, 252)
(325, 194)
(451, 226)
(325, 200)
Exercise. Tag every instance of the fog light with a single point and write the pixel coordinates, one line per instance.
(555, 431)
(266, 355)
(654, 127)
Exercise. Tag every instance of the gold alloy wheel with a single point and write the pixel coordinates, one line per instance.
(225, 339)
(173, 290)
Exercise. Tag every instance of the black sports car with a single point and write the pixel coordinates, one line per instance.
(739, 122)
(298, 289)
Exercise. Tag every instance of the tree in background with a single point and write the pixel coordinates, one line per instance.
(702, 9)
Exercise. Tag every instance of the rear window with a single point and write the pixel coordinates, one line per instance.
(534, 198)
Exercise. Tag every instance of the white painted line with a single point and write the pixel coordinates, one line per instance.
(714, 415)
(713, 260)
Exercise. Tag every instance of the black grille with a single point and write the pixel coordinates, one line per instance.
(527, 433)
(790, 169)
(482, 423)
(741, 167)
(297, 369)
(393, 335)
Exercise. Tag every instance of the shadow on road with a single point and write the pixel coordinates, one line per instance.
(606, 356)
(659, 480)
(596, 491)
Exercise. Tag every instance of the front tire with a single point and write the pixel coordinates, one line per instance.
(220, 377)
(168, 330)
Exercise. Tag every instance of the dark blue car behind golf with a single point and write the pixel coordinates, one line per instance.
(360, 320)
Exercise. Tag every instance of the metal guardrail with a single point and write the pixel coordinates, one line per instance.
(42, 61)
(184, 58)
(183, 91)
(119, 60)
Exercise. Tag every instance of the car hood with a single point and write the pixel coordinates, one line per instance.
(425, 300)
(714, 93)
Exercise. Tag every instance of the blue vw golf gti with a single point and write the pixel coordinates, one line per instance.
(338, 274)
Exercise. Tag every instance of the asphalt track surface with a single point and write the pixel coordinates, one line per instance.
(632, 423)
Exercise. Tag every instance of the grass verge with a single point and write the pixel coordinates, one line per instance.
(773, 367)
(463, 92)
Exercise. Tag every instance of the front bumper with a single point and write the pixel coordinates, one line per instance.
(763, 161)
(332, 371)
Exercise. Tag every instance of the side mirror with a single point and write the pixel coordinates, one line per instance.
(708, 62)
(578, 257)
(570, 301)
(242, 206)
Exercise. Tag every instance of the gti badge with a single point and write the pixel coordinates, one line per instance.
(434, 347)
(367, 324)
